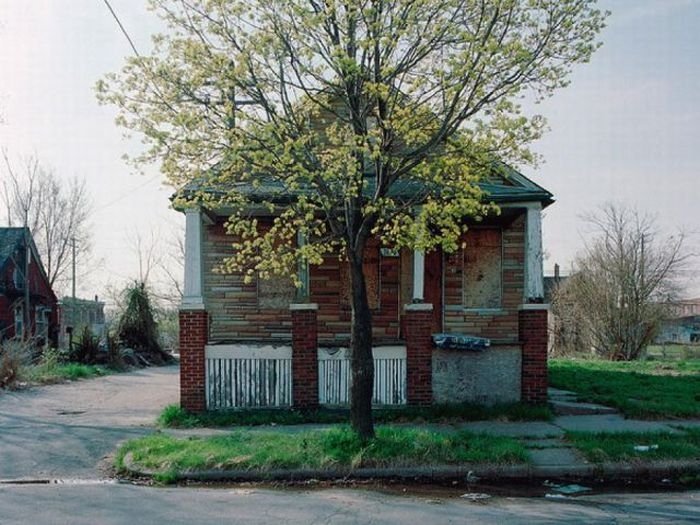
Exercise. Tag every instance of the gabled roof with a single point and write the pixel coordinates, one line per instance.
(11, 240)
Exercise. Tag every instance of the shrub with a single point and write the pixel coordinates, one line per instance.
(85, 349)
(14, 357)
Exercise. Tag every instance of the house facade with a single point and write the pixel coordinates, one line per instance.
(74, 314)
(683, 324)
(255, 345)
(28, 305)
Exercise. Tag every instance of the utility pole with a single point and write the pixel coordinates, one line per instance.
(27, 256)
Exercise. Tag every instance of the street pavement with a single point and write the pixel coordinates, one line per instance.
(63, 435)
(125, 504)
(67, 430)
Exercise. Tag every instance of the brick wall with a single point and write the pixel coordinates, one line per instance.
(533, 335)
(419, 354)
(236, 314)
(194, 325)
(304, 356)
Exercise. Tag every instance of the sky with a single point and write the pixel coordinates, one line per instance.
(626, 130)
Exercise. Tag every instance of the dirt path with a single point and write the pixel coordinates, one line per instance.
(65, 431)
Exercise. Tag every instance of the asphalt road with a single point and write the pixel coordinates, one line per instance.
(125, 504)
(66, 430)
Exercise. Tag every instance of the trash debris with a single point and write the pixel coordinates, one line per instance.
(475, 496)
(555, 496)
(471, 477)
(566, 489)
(571, 489)
(645, 448)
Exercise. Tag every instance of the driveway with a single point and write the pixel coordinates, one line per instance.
(67, 430)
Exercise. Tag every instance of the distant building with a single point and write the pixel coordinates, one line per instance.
(683, 326)
(27, 302)
(76, 314)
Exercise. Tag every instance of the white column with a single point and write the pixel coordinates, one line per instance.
(534, 279)
(192, 298)
(418, 276)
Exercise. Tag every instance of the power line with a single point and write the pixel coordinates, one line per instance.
(129, 192)
(123, 29)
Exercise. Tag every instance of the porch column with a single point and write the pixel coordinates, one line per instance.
(192, 297)
(534, 279)
(418, 276)
(533, 329)
(304, 355)
(419, 353)
(194, 332)
(194, 320)
(304, 292)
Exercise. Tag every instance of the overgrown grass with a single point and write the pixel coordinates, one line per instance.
(175, 417)
(646, 389)
(602, 447)
(338, 447)
(55, 373)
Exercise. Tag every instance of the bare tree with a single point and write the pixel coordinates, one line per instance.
(160, 264)
(55, 211)
(623, 283)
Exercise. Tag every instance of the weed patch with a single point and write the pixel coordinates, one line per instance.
(173, 416)
(338, 447)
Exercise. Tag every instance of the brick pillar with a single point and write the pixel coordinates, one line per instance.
(533, 329)
(304, 355)
(418, 322)
(194, 331)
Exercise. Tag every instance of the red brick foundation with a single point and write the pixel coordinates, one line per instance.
(194, 330)
(304, 355)
(533, 329)
(418, 322)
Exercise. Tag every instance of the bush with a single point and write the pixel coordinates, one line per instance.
(86, 348)
(137, 327)
(14, 357)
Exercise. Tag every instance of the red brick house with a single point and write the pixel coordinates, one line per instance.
(18, 253)
(253, 345)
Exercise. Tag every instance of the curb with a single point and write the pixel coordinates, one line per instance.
(481, 472)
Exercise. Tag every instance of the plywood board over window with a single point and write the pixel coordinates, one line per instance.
(370, 267)
(483, 281)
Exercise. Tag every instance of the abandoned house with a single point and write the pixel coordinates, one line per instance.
(468, 326)
(27, 302)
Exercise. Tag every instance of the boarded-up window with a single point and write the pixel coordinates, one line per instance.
(275, 293)
(370, 267)
(483, 268)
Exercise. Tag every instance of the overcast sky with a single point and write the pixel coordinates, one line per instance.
(625, 130)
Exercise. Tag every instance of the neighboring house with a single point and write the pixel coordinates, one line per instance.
(683, 326)
(76, 314)
(18, 253)
(246, 345)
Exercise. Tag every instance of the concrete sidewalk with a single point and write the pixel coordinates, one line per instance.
(550, 454)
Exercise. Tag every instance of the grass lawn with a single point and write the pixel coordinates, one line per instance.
(602, 447)
(173, 416)
(322, 449)
(645, 389)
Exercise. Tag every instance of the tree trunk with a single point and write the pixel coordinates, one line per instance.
(361, 360)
